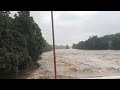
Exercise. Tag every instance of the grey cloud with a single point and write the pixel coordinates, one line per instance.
(100, 24)
(74, 26)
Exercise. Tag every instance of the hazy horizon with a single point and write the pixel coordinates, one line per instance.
(74, 26)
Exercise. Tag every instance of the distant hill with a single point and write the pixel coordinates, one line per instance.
(60, 47)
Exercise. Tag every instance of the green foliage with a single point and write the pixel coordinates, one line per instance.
(47, 47)
(9, 61)
(5, 20)
(13, 52)
(74, 46)
(116, 43)
(100, 43)
(21, 42)
(67, 47)
(25, 24)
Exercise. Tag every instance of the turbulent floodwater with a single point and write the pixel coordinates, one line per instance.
(77, 64)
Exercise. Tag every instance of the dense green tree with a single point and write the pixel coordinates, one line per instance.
(14, 55)
(100, 43)
(21, 42)
(116, 43)
(67, 47)
(74, 46)
(25, 24)
(5, 20)
(47, 47)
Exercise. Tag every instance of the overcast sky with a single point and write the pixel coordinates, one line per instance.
(74, 26)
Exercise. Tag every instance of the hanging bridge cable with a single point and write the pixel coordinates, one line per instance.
(53, 44)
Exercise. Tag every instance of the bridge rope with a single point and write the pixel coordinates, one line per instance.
(54, 55)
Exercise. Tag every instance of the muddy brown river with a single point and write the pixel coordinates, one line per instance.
(78, 64)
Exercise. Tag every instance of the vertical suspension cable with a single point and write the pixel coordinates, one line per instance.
(53, 44)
